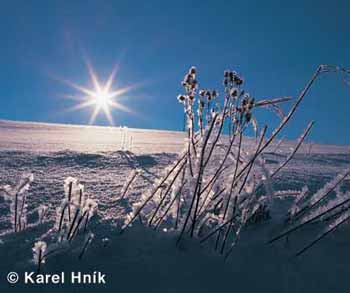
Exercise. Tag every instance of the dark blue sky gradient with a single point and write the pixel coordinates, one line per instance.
(275, 45)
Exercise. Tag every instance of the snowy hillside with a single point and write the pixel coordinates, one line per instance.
(141, 258)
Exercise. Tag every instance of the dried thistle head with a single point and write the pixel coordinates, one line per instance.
(234, 92)
(202, 93)
(181, 98)
(231, 78)
(191, 98)
(237, 80)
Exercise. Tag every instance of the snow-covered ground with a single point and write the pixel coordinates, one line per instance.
(145, 260)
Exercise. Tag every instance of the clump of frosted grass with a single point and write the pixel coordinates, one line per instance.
(218, 186)
(75, 210)
(126, 140)
(328, 205)
(72, 217)
(17, 196)
(189, 194)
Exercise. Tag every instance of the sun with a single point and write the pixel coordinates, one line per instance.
(102, 100)
(101, 96)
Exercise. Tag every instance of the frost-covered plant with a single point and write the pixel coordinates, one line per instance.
(72, 215)
(88, 239)
(17, 196)
(129, 181)
(219, 185)
(42, 212)
(39, 250)
(126, 140)
(193, 198)
(329, 205)
(75, 211)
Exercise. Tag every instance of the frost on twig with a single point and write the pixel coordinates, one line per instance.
(72, 216)
(17, 196)
(39, 250)
(130, 180)
(321, 204)
(190, 197)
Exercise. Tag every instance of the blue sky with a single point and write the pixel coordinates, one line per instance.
(275, 45)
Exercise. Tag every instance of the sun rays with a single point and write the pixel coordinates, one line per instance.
(101, 96)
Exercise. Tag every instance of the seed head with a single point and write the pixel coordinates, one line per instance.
(237, 80)
(181, 98)
(234, 92)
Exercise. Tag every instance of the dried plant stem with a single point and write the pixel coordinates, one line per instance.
(61, 219)
(39, 260)
(76, 228)
(198, 180)
(272, 101)
(177, 198)
(219, 131)
(21, 213)
(308, 207)
(77, 211)
(202, 210)
(232, 186)
(330, 217)
(288, 117)
(183, 182)
(263, 132)
(323, 235)
(213, 179)
(197, 189)
(221, 168)
(200, 117)
(128, 185)
(161, 218)
(291, 156)
(190, 135)
(229, 227)
(216, 229)
(165, 178)
(165, 194)
(189, 158)
(69, 199)
(87, 220)
(300, 142)
(16, 208)
(86, 245)
(297, 227)
(278, 144)
(235, 172)
(80, 196)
